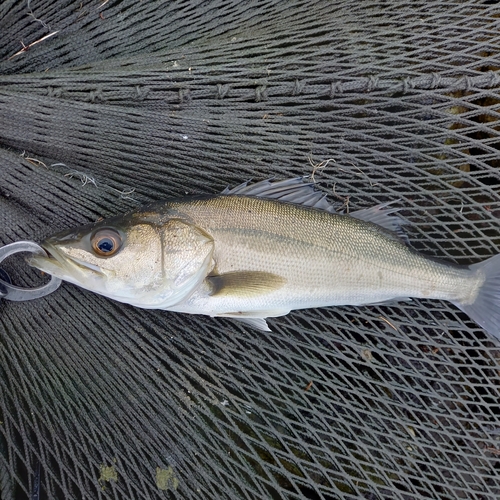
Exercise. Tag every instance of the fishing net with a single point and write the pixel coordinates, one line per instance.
(105, 105)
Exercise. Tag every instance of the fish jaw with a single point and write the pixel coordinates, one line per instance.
(93, 278)
(86, 275)
(67, 268)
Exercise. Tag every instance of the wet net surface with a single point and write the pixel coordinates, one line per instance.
(132, 101)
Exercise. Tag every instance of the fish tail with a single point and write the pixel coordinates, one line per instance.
(485, 310)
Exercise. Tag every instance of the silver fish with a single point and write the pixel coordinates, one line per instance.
(259, 251)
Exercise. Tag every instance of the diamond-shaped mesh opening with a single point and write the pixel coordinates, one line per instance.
(131, 102)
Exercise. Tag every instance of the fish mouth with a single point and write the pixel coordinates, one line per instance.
(51, 252)
(59, 264)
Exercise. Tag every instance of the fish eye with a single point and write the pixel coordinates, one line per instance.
(106, 242)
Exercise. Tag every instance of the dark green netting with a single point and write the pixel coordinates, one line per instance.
(134, 101)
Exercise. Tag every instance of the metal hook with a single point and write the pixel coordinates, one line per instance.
(9, 291)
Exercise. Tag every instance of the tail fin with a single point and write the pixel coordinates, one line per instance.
(485, 310)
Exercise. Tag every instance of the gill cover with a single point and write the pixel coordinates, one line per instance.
(187, 259)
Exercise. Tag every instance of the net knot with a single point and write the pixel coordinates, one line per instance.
(468, 83)
(261, 93)
(335, 88)
(141, 92)
(435, 81)
(96, 95)
(407, 84)
(222, 91)
(298, 87)
(494, 79)
(372, 83)
(54, 92)
(184, 95)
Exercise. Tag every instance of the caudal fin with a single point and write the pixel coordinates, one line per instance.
(485, 311)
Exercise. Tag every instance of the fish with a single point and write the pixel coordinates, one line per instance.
(261, 250)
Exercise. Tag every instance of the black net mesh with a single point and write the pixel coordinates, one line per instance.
(105, 105)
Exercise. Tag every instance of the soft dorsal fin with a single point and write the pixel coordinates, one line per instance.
(383, 217)
(301, 192)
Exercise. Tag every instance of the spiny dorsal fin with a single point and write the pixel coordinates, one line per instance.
(296, 190)
(301, 192)
(244, 283)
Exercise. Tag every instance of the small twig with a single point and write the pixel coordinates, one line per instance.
(103, 3)
(33, 161)
(124, 194)
(308, 386)
(26, 47)
(318, 166)
(362, 174)
(32, 14)
(345, 199)
(84, 178)
(493, 450)
(388, 322)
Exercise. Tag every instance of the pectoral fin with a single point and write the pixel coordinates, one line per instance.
(244, 283)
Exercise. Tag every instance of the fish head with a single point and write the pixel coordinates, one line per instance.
(140, 259)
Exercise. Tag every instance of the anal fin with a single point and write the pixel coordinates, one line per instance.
(257, 323)
(389, 301)
(256, 319)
